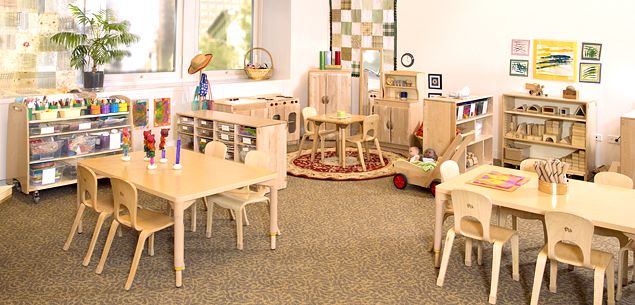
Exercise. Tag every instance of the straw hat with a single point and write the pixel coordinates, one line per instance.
(199, 62)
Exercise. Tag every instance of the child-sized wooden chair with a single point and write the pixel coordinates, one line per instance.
(368, 134)
(569, 242)
(528, 165)
(472, 216)
(129, 214)
(315, 135)
(87, 196)
(449, 169)
(622, 266)
(237, 200)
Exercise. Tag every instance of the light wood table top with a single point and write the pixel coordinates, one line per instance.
(605, 206)
(332, 118)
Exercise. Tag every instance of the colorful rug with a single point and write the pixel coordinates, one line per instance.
(329, 168)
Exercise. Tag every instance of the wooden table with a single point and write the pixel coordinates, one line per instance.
(605, 206)
(200, 176)
(342, 124)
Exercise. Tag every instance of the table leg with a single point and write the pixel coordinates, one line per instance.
(315, 139)
(342, 154)
(179, 242)
(273, 217)
(438, 227)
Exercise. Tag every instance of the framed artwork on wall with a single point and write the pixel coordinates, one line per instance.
(590, 72)
(520, 47)
(555, 60)
(435, 81)
(434, 94)
(518, 67)
(591, 51)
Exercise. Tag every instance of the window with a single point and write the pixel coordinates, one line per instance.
(226, 30)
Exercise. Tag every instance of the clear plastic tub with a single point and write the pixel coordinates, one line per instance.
(44, 150)
(81, 145)
(37, 173)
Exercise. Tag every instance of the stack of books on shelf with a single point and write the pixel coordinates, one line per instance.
(471, 109)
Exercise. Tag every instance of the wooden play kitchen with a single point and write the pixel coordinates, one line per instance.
(542, 127)
(240, 133)
(45, 148)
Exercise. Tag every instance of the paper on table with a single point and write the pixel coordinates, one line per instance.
(48, 176)
(115, 140)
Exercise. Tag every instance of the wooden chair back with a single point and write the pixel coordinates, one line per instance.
(308, 112)
(572, 230)
(124, 195)
(614, 179)
(256, 158)
(528, 165)
(370, 125)
(472, 206)
(449, 169)
(87, 187)
(216, 149)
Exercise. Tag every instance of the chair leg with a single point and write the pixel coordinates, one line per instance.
(479, 253)
(468, 252)
(541, 262)
(151, 245)
(515, 258)
(598, 285)
(232, 216)
(245, 215)
(104, 253)
(496, 265)
(381, 157)
(610, 287)
(119, 232)
(76, 221)
(136, 258)
(210, 212)
(361, 155)
(239, 230)
(322, 148)
(193, 220)
(449, 240)
(367, 149)
(100, 222)
(514, 223)
(622, 260)
(623, 242)
(553, 275)
(301, 144)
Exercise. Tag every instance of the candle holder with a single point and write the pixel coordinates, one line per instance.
(177, 165)
(163, 158)
(126, 156)
(152, 165)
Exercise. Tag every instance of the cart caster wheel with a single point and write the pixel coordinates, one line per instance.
(36, 197)
(17, 186)
(400, 181)
(433, 187)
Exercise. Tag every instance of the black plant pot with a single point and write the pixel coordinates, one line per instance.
(94, 80)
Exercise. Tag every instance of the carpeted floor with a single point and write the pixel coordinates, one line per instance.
(360, 242)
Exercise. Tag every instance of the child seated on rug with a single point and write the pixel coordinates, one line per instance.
(427, 162)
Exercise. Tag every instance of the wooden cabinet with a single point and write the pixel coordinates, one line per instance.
(445, 117)
(549, 127)
(410, 82)
(330, 90)
(398, 121)
(240, 134)
(627, 149)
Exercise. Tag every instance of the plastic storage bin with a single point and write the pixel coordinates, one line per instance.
(228, 137)
(186, 128)
(37, 174)
(43, 150)
(226, 127)
(187, 141)
(186, 120)
(206, 133)
(206, 124)
(247, 131)
(114, 121)
(81, 145)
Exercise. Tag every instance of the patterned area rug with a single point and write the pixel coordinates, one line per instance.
(329, 168)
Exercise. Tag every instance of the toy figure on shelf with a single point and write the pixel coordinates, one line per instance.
(164, 134)
(126, 144)
(151, 148)
(146, 135)
(430, 154)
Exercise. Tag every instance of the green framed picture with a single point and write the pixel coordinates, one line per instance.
(591, 51)
(518, 67)
(590, 72)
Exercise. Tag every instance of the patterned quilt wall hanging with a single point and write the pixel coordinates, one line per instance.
(357, 24)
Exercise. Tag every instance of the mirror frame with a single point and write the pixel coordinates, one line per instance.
(363, 83)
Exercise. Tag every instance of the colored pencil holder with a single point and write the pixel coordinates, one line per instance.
(114, 108)
(105, 109)
(40, 108)
(553, 188)
(123, 107)
(95, 109)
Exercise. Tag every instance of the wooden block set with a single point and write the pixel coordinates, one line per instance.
(552, 110)
(578, 134)
(576, 161)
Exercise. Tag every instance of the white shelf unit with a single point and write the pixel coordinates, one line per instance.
(579, 153)
(28, 169)
(240, 133)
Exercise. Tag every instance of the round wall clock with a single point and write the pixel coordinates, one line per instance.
(407, 60)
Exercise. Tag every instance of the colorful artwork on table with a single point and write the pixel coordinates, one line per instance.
(140, 113)
(161, 112)
(590, 72)
(499, 181)
(555, 60)
(520, 47)
(519, 67)
(357, 24)
(591, 51)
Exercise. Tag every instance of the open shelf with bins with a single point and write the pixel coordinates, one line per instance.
(240, 133)
(44, 152)
(549, 127)
(411, 82)
(473, 114)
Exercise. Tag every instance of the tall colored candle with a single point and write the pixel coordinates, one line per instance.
(338, 58)
(327, 58)
(178, 151)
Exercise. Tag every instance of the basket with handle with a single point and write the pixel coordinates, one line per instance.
(256, 73)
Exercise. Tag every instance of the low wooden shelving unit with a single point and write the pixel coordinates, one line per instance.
(240, 133)
(542, 127)
(42, 154)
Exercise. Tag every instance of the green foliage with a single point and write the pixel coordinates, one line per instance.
(100, 45)
(226, 56)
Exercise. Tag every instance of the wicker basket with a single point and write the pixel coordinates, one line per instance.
(258, 74)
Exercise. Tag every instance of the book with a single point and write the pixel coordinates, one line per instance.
(499, 181)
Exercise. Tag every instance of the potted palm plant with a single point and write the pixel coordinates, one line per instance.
(98, 45)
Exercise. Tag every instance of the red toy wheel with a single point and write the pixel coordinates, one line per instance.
(433, 187)
(400, 181)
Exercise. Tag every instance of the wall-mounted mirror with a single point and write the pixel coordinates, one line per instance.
(370, 77)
